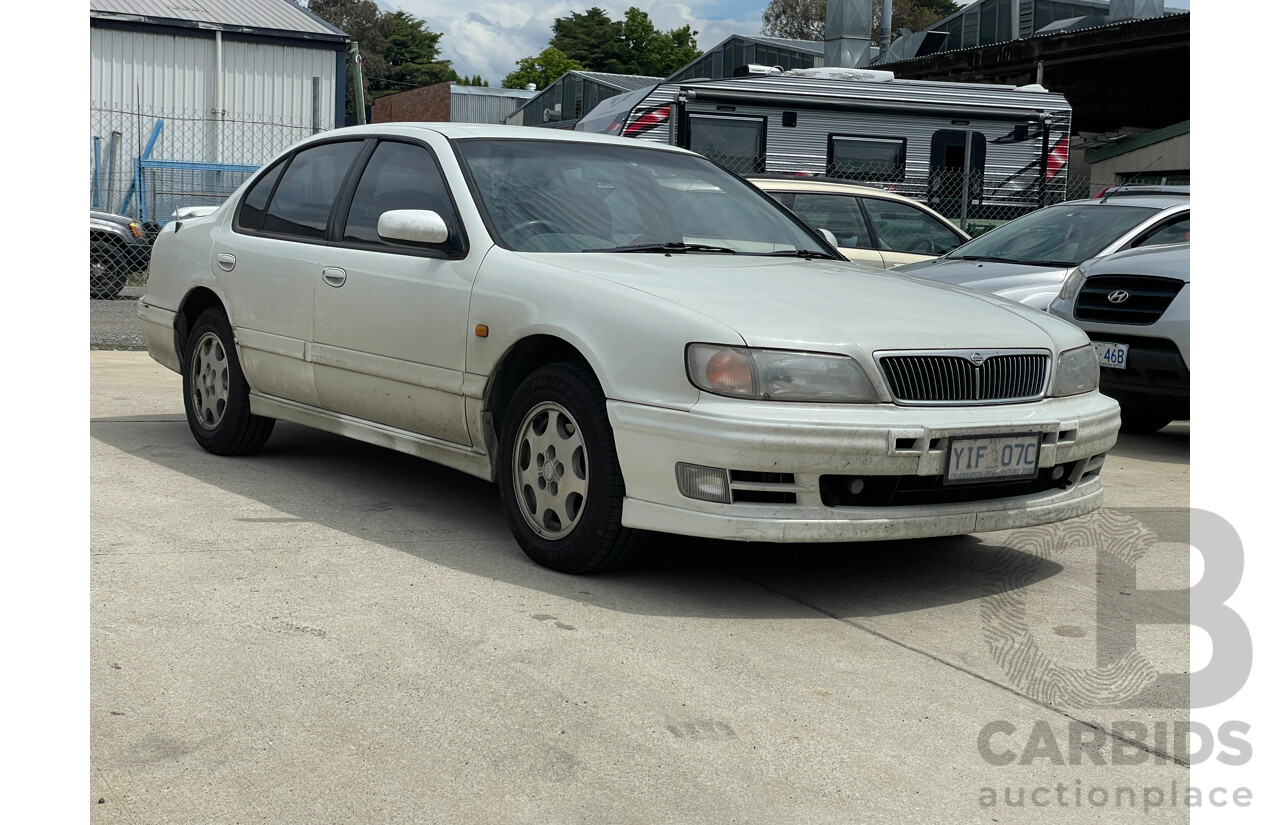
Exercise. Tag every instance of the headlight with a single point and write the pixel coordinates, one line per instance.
(777, 375)
(1077, 371)
(1071, 286)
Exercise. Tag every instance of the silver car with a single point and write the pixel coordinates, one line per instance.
(1027, 259)
(1136, 308)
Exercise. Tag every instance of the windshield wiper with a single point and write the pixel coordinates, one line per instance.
(670, 246)
(988, 259)
(807, 254)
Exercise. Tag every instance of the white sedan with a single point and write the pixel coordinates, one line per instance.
(625, 338)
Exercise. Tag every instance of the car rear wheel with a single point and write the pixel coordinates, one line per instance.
(215, 393)
(561, 485)
(106, 271)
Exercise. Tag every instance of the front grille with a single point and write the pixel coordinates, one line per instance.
(1144, 299)
(992, 377)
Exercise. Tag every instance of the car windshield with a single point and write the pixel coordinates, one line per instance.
(560, 196)
(1056, 236)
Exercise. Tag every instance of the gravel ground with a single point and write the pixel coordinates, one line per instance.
(113, 323)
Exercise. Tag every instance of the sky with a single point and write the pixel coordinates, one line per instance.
(487, 37)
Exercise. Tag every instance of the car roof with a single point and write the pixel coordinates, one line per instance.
(459, 131)
(1155, 201)
(817, 183)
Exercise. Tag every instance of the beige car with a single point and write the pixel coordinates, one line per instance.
(872, 226)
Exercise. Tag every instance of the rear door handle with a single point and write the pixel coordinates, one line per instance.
(226, 261)
(333, 276)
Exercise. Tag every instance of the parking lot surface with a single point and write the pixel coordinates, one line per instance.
(332, 632)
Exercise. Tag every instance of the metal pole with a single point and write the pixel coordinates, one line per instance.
(964, 186)
(358, 75)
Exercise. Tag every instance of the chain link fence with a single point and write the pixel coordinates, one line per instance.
(974, 202)
(146, 163)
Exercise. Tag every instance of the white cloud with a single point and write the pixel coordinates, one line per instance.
(488, 38)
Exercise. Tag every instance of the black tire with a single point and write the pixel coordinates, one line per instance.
(1143, 421)
(106, 271)
(560, 482)
(215, 393)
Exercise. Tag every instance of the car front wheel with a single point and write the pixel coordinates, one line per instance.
(561, 485)
(215, 393)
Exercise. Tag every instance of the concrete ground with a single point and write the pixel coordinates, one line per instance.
(329, 632)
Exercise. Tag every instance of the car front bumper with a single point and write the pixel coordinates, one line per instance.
(785, 460)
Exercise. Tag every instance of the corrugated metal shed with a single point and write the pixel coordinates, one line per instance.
(264, 15)
(482, 104)
(572, 95)
(621, 82)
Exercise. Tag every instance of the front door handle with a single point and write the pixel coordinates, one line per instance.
(333, 276)
(226, 261)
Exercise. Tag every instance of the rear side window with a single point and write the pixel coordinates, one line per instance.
(254, 205)
(304, 197)
(399, 176)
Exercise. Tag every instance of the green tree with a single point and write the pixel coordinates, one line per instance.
(368, 26)
(540, 70)
(648, 51)
(807, 19)
(591, 39)
(796, 19)
(412, 56)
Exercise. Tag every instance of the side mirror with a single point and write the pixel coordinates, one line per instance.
(831, 238)
(413, 226)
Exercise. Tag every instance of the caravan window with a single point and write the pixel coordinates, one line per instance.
(736, 143)
(860, 157)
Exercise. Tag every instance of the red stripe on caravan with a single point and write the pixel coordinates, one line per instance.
(647, 121)
(1057, 158)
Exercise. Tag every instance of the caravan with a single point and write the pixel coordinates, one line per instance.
(971, 151)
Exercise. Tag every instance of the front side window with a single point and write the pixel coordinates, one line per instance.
(866, 158)
(901, 227)
(838, 214)
(1178, 231)
(556, 196)
(398, 176)
(304, 197)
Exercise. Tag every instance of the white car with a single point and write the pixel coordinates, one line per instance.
(872, 226)
(1136, 306)
(557, 313)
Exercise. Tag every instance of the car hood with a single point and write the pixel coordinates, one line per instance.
(988, 276)
(826, 305)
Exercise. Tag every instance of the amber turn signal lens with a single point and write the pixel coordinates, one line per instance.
(482, 331)
(729, 370)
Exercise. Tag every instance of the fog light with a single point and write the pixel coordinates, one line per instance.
(856, 486)
(1058, 471)
(703, 483)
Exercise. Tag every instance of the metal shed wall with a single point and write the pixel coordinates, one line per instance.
(272, 95)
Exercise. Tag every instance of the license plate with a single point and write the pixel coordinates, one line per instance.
(1115, 356)
(985, 458)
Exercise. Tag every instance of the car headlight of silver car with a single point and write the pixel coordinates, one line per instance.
(778, 375)
(1077, 371)
(1071, 286)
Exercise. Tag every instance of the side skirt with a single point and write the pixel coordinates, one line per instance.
(436, 450)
